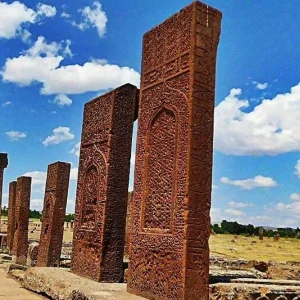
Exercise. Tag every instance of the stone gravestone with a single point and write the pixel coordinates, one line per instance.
(100, 213)
(20, 244)
(32, 254)
(53, 217)
(11, 214)
(169, 252)
(3, 165)
(261, 233)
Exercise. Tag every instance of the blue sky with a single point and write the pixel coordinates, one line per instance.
(57, 55)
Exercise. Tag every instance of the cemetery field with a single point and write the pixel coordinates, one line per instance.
(251, 248)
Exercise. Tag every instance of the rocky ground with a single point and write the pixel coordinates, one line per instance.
(13, 290)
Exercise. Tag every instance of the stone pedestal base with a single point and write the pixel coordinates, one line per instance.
(61, 284)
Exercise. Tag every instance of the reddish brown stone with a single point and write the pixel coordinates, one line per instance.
(128, 222)
(11, 222)
(169, 254)
(3, 165)
(100, 213)
(20, 244)
(53, 217)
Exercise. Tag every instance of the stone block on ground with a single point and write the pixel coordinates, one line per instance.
(63, 285)
(220, 275)
(229, 291)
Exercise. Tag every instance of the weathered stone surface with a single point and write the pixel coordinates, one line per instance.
(235, 264)
(11, 225)
(260, 266)
(169, 255)
(102, 189)
(32, 254)
(54, 211)
(267, 281)
(229, 291)
(63, 285)
(220, 275)
(128, 224)
(13, 266)
(20, 244)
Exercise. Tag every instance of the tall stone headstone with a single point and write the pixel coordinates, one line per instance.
(261, 233)
(3, 165)
(169, 251)
(20, 244)
(53, 216)
(100, 213)
(11, 221)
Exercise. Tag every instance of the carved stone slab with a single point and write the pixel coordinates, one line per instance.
(170, 226)
(11, 220)
(20, 244)
(54, 210)
(3, 165)
(101, 200)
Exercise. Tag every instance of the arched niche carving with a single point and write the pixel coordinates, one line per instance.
(94, 185)
(160, 167)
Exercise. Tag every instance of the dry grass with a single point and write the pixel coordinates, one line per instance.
(251, 248)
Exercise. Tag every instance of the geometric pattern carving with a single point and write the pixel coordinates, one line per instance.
(11, 214)
(102, 188)
(160, 168)
(20, 243)
(55, 201)
(170, 223)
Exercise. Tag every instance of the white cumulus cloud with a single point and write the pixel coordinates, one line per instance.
(60, 135)
(46, 10)
(234, 212)
(93, 16)
(76, 150)
(260, 86)
(16, 135)
(42, 63)
(62, 100)
(74, 174)
(295, 197)
(272, 127)
(251, 183)
(15, 15)
(38, 177)
(297, 167)
(7, 103)
(234, 204)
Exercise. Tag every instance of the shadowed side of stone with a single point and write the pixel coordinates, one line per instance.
(61, 284)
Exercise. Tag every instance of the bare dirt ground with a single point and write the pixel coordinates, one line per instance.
(10, 289)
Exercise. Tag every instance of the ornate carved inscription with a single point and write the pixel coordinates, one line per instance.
(161, 171)
(102, 187)
(172, 190)
(55, 201)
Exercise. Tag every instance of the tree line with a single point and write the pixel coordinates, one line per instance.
(35, 214)
(238, 229)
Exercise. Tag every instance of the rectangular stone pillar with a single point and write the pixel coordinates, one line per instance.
(11, 221)
(102, 189)
(53, 217)
(3, 165)
(20, 244)
(169, 252)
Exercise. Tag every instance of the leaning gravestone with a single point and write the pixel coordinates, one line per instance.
(169, 252)
(11, 220)
(20, 243)
(100, 213)
(54, 211)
